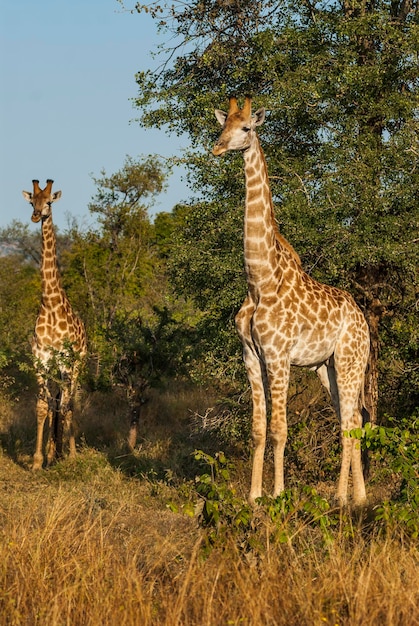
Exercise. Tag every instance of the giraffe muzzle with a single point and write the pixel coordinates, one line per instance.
(36, 217)
(219, 149)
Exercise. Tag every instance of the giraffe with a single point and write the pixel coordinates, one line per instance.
(288, 318)
(59, 335)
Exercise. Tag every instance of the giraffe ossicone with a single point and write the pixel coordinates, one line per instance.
(59, 340)
(288, 318)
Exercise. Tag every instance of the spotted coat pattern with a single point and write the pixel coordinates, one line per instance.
(59, 336)
(288, 318)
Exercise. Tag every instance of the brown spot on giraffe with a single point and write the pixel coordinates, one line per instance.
(304, 323)
(57, 329)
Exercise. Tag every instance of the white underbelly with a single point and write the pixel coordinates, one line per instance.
(309, 353)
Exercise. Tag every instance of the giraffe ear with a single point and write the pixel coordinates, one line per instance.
(27, 195)
(259, 116)
(221, 116)
(56, 196)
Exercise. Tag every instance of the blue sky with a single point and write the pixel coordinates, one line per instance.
(67, 72)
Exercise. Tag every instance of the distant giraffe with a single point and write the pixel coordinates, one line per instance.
(288, 318)
(59, 336)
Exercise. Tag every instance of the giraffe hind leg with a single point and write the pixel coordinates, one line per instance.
(42, 412)
(351, 450)
(58, 427)
(349, 417)
(358, 477)
(74, 408)
(66, 419)
(327, 375)
(54, 428)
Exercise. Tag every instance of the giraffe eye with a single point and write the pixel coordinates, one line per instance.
(246, 129)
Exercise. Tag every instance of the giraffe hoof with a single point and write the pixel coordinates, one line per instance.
(252, 500)
(341, 501)
(360, 502)
(37, 465)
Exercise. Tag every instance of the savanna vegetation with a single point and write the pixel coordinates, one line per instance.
(150, 523)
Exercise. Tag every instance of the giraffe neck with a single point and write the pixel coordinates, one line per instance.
(262, 242)
(51, 281)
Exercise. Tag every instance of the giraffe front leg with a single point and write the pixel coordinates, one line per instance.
(255, 374)
(279, 388)
(69, 428)
(279, 439)
(259, 440)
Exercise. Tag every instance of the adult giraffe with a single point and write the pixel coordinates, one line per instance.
(59, 337)
(288, 318)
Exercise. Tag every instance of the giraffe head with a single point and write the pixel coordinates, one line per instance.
(238, 126)
(41, 199)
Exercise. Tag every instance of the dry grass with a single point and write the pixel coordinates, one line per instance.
(88, 543)
(101, 549)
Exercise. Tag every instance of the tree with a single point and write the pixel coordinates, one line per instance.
(116, 275)
(19, 301)
(112, 264)
(341, 82)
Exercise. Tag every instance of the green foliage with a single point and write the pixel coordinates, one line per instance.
(141, 354)
(219, 499)
(293, 511)
(117, 276)
(60, 361)
(223, 513)
(340, 83)
(88, 465)
(19, 298)
(122, 195)
(17, 239)
(396, 447)
(191, 239)
(400, 359)
(19, 285)
(108, 270)
(218, 507)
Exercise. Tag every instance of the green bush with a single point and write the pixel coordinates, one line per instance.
(396, 447)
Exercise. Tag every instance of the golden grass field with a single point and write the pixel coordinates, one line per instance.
(92, 542)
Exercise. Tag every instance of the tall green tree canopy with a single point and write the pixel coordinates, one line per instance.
(340, 83)
(113, 262)
(116, 277)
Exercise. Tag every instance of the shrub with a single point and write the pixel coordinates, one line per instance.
(397, 448)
